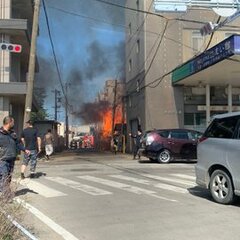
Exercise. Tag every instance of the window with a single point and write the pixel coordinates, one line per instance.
(197, 41)
(179, 135)
(138, 85)
(130, 65)
(129, 101)
(137, 3)
(130, 29)
(188, 118)
(138, 46)
(164, 134)
(222, 128)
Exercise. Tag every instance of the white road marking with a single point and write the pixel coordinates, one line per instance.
(79, 186)
(174, 180)
(146, 182)
(171, 188)
(184, 176)
(41, 189)
(49, 222)
(124, 187)
(132, 179)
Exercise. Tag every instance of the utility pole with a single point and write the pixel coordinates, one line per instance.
(32, 60)
(123, 124)
(114, 106)
(66, 117)
(56, 100)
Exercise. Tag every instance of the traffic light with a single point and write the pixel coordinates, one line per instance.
(15, 48)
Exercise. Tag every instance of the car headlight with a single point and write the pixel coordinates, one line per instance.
(149, 140)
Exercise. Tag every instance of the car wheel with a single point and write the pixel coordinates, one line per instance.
(164, 156)
(221, 187)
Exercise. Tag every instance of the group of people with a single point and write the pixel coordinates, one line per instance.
(136, 143)
(30, 143)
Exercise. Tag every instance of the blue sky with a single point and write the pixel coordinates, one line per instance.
(88, 51)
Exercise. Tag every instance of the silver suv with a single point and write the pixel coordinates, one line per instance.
(218, 154)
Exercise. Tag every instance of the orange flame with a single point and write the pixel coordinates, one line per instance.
(107, 118)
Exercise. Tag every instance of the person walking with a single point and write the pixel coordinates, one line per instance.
(137, 143)
(48, 140)
(32, 142)
(9, 144)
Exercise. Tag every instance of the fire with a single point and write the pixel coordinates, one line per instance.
(107, 118)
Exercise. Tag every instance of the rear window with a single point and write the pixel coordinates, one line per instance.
(222, 128)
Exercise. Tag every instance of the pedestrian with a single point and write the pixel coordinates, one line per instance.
(9, 144)
(137, 143)
(32, 142)
(115, 143)
(48, 140)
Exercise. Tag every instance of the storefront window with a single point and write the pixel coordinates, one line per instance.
(189, 119)
(195, 119)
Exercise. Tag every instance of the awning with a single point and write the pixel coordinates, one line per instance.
(218, 66)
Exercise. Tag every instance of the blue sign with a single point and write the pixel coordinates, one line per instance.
(223, 50)
(215, 54)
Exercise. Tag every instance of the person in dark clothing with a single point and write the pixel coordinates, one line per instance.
(9, 144)
(137, 143)
(32, 142)
(115, 143)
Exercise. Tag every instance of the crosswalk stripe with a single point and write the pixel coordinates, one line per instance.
(132, 179)
(171, 188)
(174, 180)
(79, 186)
(184, 176)
(41, 189)
(123, 186)
(118, 185)
(146, 182)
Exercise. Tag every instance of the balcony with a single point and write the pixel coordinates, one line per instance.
(13, 88)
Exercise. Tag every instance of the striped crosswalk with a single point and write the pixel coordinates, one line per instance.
(156, 186)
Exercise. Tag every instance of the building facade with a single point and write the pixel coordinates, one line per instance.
(15, 27)
(155, 47)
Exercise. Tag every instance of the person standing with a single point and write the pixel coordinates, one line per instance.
(32, 142)
(137, 143)
(9, 144)
(48, 140)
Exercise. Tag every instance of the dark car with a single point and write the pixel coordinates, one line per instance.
(164, 145)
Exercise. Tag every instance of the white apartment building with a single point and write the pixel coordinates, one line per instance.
(15, 27)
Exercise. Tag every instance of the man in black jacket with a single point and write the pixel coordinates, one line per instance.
(137, 143)
(8, 152)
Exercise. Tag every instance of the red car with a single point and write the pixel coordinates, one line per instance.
(164, 145)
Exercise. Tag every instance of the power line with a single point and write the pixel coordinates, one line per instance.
(150, 13)
(53, 51)
(129, 8)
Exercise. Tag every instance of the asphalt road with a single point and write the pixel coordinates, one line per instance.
(106, 197)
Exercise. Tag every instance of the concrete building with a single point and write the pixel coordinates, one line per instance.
(15, 27)
(107, 94)
(155, 47)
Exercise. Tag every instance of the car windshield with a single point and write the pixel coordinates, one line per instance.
(163, 133)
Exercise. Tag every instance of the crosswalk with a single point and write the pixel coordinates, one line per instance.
(156, 186)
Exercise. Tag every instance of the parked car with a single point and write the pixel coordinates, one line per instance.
(218, 166)
(164, 145)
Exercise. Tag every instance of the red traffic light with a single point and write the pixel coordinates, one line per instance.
(15, 48)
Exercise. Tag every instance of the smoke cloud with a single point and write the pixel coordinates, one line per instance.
(93, 112)
(88, 52)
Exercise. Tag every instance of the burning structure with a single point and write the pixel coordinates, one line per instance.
(107, 114)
